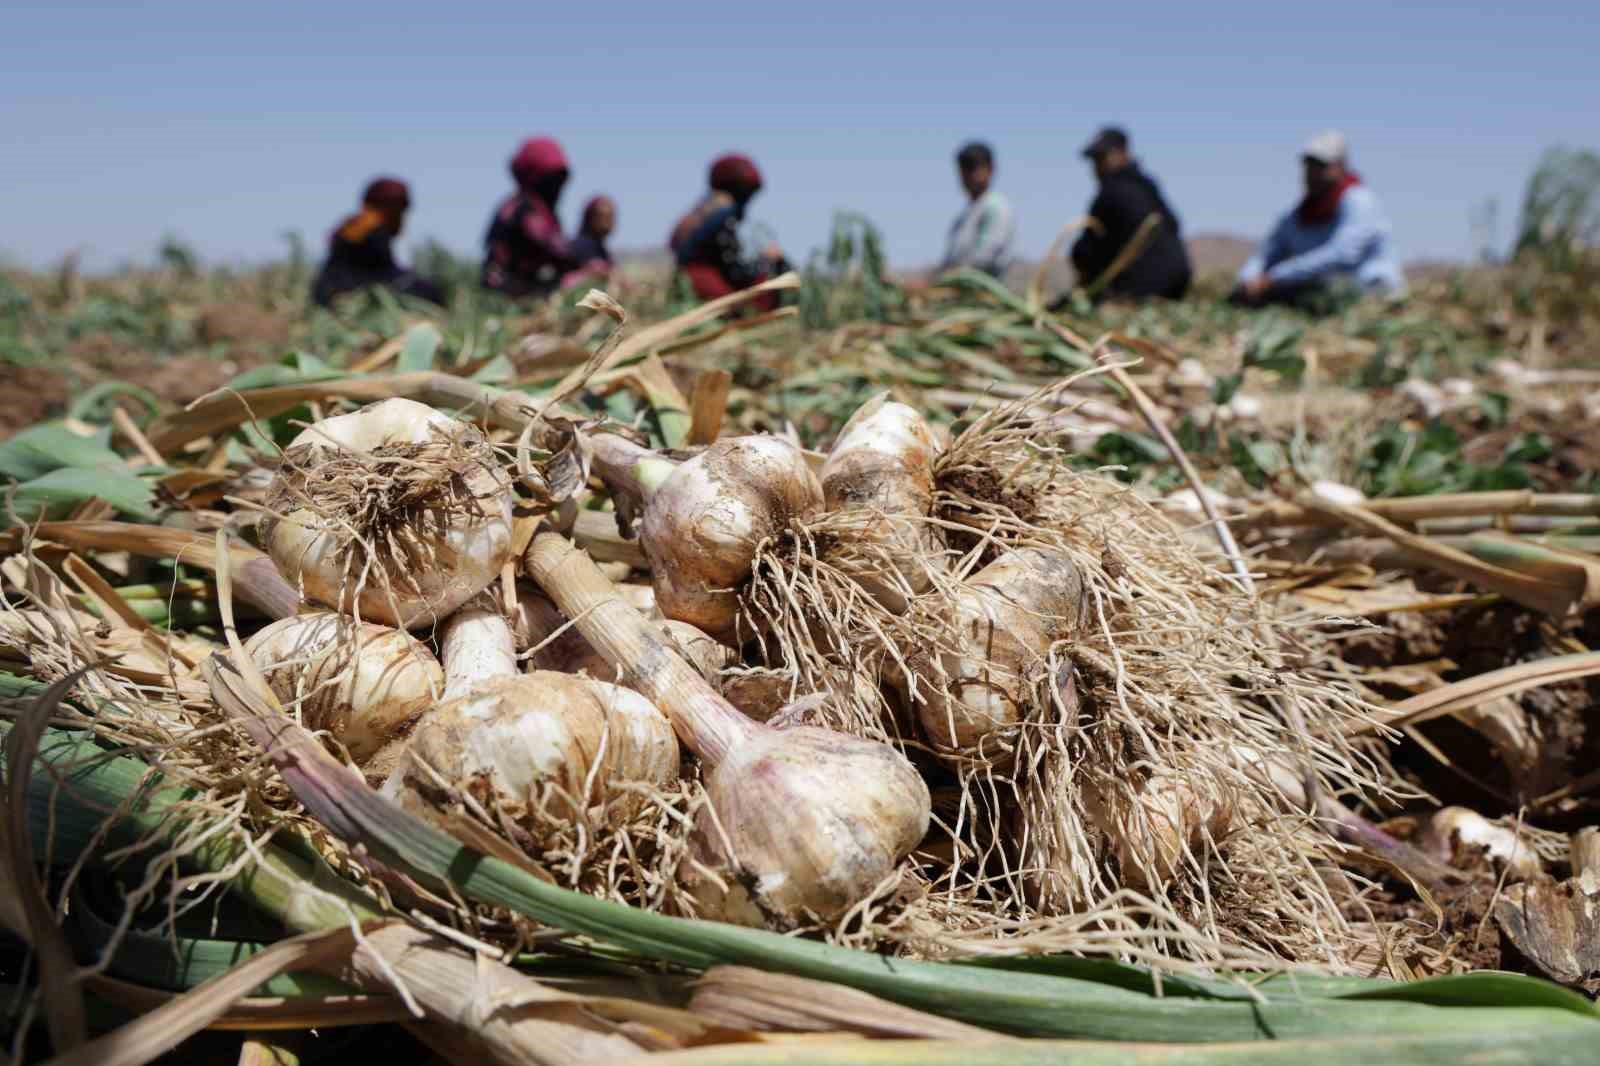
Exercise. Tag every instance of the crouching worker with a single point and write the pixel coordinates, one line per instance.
(1128, 208)
(1336, 240)
(982, 234)
(525, 252)
(705, 242)
(361, 250)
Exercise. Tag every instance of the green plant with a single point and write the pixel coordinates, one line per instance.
(847, 280)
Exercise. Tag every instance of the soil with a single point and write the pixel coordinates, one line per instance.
(29, 394)
(1573, 436)
(242, 325)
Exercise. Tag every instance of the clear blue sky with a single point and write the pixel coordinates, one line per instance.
(227, 123)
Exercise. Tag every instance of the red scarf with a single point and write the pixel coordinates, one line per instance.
(1324, 206)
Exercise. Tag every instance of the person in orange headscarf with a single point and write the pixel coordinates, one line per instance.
(525, 252)
(705, 242)
(361, 249)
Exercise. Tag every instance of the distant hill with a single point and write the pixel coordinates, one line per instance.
(1219, 253)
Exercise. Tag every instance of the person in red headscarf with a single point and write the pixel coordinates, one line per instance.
(525, 252)
(361, 249)
(705, 242)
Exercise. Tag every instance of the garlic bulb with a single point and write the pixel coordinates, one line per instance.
(801, 823)
(881, 470)
(1151, 826)
(396, 511)
(971, 693)
(702, 526)
(363, 683)
(532, 746)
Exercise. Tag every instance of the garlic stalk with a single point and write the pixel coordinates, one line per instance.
(800, 823)
(531, 745)
(704, 518)
(363, 683)
(557, 645)
(880, 471)
(396, 512)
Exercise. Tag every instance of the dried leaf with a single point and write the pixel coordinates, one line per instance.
(1557, 925)
(754, 999)
(154, 1034)
(1469, 692)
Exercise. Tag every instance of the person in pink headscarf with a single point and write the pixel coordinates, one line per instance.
(525, 252)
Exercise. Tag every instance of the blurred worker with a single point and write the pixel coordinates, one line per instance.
(598, 222)
(1129, 207)
(525, 253)
(361, 250)
(705, 242)
(1336, 237)
(982, 233)
(589, 246)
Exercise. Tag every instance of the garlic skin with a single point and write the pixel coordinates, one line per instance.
(536, 748)
(702, 525)
(363, 683)
(969, 701)
(881, 468)
(434, 551)
(1454, 828)
(508, 738)
(1168, 815)
(970, 695)
(807, 823)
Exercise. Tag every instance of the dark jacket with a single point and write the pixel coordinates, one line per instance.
(360, 253)
(525, 252)
(1125, 199)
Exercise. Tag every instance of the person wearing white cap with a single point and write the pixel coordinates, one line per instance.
(1337, 236)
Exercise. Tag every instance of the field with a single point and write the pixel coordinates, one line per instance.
(1342, 565)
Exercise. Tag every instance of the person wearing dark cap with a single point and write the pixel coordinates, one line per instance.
(525, 252)
(1337, 237)
(705, 242)
(1129, 207)
(361, 249)
(982, 234)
